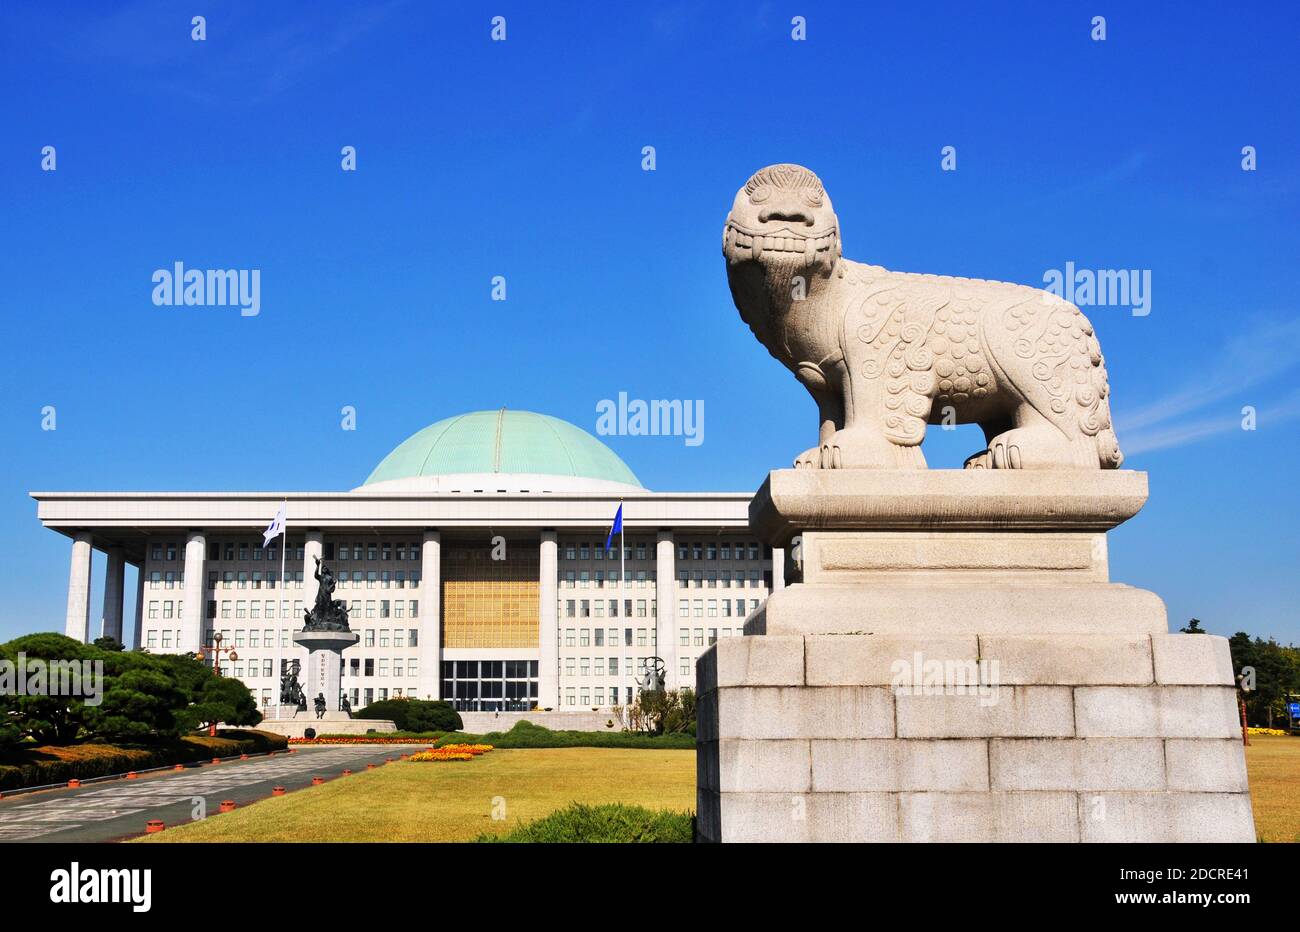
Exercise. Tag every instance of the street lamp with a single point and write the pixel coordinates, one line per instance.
(215, 650)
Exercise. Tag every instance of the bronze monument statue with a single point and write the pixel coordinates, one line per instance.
(328, 614)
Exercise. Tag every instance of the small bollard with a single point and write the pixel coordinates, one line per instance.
(154, 825)
(216, 760)
(179, 767)
(403, 757)
(370, 766)
(317, 781)
(227, 805)
(131, 775)
(243, 757)
(347, 773)
(277, 791)
(74, 784)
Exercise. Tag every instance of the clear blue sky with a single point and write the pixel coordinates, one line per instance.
(523, 159)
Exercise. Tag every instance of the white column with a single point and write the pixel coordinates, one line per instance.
(548, 655)
(314, 547)
(666, 604)
(114, 578)
(778, 568)
(138, 638)
(196, 551)
(77, 624)
(430, 625)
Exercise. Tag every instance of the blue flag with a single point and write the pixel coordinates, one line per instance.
(618, 526)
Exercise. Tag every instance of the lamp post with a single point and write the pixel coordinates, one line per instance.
(215, 650)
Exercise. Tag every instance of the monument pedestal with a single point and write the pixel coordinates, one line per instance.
(952, 663)
(324, 665)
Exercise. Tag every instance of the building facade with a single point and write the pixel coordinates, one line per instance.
(473, 561)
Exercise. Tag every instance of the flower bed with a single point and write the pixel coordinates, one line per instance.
(1267, 731)
(367, 739)
(452, 752)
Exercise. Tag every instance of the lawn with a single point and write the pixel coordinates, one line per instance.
(406, 801)
(1273, 763)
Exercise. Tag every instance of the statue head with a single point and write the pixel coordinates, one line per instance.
(783, 219)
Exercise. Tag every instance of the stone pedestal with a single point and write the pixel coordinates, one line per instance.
(952, 663)
(324, 665)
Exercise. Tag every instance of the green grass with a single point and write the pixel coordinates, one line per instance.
(1273, 764)
(407, 801)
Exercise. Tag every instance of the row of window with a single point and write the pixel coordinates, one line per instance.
(697, 608)
(588, 608)
(584, 551)
(640, 550)
(265, 608)
(244, 551)
(595, 697)
(582, 579)
(609, 637)
(384, 551)
(717, 551)
(379, 666)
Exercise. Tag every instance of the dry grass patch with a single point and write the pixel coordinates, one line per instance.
(1273, 763)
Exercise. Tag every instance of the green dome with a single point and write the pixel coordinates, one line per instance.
(504, 441)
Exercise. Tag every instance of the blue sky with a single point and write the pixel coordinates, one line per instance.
(523, 159)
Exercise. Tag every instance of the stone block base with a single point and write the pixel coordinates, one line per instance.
(970, 738)
(334, 723)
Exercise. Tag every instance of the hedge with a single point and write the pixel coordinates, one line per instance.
(51, 764)
(613, 823)
(525, 734)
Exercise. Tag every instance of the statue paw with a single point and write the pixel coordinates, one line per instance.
(809, 459)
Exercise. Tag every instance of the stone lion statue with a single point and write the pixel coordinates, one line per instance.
(885, 353)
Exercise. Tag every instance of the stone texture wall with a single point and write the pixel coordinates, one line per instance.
(1069, 738)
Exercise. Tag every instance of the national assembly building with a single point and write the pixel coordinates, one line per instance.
(473, 563)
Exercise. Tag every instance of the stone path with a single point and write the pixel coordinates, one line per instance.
(119, 809)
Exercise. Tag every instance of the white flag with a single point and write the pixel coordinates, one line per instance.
(276, 527)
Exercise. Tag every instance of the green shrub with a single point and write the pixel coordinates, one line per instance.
(31, 765)
(611, 824)
(414, 715)
(146, 697)
(526, 734)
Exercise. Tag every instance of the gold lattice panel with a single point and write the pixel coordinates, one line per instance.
(490, 603)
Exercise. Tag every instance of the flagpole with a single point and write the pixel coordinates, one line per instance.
(622, 554)
(279, 644)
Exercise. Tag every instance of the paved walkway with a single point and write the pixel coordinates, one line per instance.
(119, 809)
